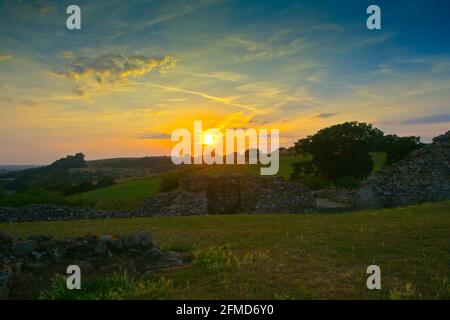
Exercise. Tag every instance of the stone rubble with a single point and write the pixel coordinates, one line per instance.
(37, 255)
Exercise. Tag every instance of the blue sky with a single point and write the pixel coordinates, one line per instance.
(139, 69)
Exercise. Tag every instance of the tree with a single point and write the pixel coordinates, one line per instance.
(342, 150)
(397, 148)
(75, 161)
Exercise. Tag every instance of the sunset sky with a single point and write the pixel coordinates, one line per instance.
(137, 70)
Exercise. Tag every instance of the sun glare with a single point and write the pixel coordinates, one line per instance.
(209, 139)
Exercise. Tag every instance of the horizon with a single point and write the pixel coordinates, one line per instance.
(135, 72)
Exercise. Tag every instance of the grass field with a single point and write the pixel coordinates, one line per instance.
(123, 195)
(313, 256)
(285, 168)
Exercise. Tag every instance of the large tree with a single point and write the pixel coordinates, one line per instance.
(397, 148)
(342, 150)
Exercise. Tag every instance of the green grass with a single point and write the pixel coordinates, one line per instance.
(285, 168)
(123, 195)
(315, 256)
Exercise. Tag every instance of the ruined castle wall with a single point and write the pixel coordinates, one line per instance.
(421, 177)
(226, 194)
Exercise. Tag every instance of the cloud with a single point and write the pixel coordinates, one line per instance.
(4, 56)
(226, 76)
(441, 118)
(110, 69)
(325, 115)
(227, 101)
(155, 136)
(265, 47)
(41, 6)
(261, 89)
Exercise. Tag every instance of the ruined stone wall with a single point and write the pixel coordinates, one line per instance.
(226, 194)
(421, 177)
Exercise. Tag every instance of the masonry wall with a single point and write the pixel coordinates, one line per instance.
(227, 194)
(421, 177)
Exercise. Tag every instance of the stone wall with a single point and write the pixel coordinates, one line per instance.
(226, 194)
(46, 212)
(421, 177)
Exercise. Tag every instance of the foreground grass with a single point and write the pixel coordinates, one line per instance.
(314, 256)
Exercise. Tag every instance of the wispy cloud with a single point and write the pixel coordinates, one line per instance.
(225, 76)
(227, 101)
(439, 118)
(325, 115)
(155, 136)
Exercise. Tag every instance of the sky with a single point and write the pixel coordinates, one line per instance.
(137, 70)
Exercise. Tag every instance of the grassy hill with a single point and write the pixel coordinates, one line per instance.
(123, 195)
(128, 193)
(313, 256)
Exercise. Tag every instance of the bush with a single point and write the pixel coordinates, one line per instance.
(398, 148)
(348, 183)
(169, 182)
(315, 182)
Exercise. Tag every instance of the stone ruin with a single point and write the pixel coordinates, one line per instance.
(43, 256)
(423, 176)
(227, 194)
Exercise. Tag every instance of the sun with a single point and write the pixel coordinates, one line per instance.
(209, 139)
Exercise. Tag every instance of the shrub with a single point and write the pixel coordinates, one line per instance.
(348, 183)
(315, 182)
(169, 182)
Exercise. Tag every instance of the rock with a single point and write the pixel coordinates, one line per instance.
(4, 251)
(143, 239)
(85, 266)
(110, 268)
(105, 238)
(21, 248)
(101, 248)
(39, 238)
(150, 260)
(5, 283)
(129, 242)
(116, 244)
(129, 266)
(4, 237)
(79, 249)
(46, 212)
(38, 255)
(173, 255)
